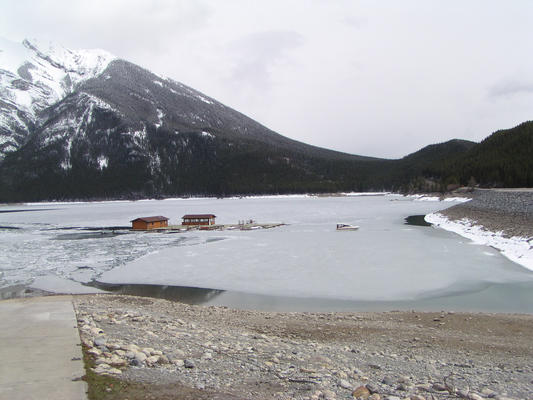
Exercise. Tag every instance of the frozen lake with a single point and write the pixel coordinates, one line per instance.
(305, 263)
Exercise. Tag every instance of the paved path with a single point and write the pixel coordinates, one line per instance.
(40, 353)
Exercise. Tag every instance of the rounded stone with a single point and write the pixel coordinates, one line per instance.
(361, 392)
(345, 384)
(135, 363)
(141, 357)
(100, 341)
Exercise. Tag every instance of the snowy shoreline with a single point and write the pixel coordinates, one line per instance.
(196, 198)
(499, 218)
(517, 249)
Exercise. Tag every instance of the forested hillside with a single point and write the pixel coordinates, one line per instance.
(427, 170)
(504, 159)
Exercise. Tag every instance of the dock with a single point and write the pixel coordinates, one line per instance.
(221, 227)
(199, 222)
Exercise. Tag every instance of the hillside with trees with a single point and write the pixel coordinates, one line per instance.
(504, 159)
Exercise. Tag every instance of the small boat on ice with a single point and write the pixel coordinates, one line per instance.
(347, 227)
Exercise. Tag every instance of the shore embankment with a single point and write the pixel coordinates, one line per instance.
(178, 351)
(499, 210)
(500, 218)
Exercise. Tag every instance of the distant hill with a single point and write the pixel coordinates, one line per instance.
(437, 153)
(86, 125)
(504, 159)
(427, 169)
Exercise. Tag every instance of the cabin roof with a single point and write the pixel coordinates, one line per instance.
(188, 216)
(150, 219)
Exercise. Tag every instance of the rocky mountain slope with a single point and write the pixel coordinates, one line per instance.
(84, 125)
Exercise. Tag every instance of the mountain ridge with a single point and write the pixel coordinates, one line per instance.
(116, 130)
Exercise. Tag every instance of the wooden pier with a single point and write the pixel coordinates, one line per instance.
(221, 227)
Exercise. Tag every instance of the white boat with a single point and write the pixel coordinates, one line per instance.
(347, 227)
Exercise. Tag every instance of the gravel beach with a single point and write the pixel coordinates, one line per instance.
(507, 210)
(220, 353)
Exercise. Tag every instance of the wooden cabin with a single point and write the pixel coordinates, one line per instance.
(199, 219)
(147, 223)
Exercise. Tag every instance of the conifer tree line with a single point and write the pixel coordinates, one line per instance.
(504, 159)
(221, 167)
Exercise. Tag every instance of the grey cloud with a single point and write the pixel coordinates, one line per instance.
(256, 53)
(355, 22)
(510, 88)
(127, 28)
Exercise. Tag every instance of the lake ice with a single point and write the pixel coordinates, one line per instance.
(385, 260)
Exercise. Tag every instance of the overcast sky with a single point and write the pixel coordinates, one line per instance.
(379, 78)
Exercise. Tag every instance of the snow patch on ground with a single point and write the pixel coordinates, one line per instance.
(517, 249)
(423, 197)
(160, 115)
(457, 199)
(205, 100)
(139, 136)
(355, 194)
(101, 103)
(65, 165)
(102, 162)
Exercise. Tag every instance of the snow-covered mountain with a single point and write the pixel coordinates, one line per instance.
(86, 124)
(34, 76)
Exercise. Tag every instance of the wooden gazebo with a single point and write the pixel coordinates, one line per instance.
(199, 219)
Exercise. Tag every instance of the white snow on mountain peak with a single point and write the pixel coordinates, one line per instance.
(51, 64)
(81, 61)
(34, 75)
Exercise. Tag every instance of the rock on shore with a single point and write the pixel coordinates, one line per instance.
(265, 355)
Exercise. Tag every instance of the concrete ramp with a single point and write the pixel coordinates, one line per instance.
(40, 353)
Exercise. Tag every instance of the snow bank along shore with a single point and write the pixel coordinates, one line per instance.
(499, 218)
